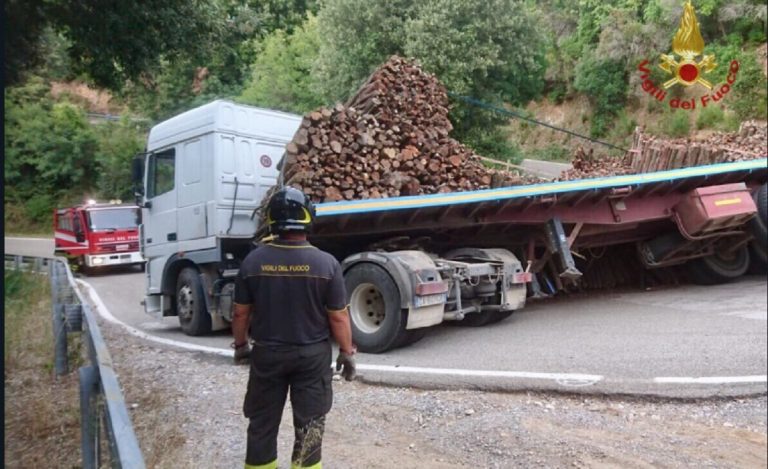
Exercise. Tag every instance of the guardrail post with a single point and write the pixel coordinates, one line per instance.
(73, 318)
(60, 340)
(89, 417)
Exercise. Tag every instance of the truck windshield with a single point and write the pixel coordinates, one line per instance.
(113, 219)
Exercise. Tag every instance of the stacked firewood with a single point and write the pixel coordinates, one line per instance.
(649, 153)
(390, 139)
(588, 165)
(653, 154)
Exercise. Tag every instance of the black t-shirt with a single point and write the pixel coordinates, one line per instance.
(292, 285)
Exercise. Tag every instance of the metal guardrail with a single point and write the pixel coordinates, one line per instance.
(102, 406)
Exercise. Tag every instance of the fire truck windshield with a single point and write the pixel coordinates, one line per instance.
(113, 219)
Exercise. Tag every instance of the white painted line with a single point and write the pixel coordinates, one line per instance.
(570, 378)
(566, 379)
(107, 315)
(712, 380)
(28, 239)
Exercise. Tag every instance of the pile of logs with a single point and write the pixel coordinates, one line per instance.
(653, 154)
(649, 153)
(389, 139)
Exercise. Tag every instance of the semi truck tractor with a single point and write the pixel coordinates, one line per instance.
(416, 261)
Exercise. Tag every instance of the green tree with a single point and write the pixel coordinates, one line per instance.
(282, 74)
(489, 50)
(50, 149)
(605, 83)
(111, 41)
(118, 143)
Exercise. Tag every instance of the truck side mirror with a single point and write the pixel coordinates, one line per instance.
(137, 171)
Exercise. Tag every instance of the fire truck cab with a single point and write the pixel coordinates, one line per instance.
(98, 235)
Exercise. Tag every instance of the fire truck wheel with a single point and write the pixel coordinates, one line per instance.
(720, 267)
(378, 322)
(758, 226)
(82, 266)
(190, 304)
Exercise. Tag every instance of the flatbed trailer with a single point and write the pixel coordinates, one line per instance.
(414, 262)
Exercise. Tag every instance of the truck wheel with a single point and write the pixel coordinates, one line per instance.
(190, 304)
(758, 259)
(720, 267)
(758, 226)
(378, 322)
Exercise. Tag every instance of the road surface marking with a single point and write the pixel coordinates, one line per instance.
(564, 379)
(712, 380)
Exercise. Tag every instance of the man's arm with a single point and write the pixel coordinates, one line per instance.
(240, 321)
(341, 329)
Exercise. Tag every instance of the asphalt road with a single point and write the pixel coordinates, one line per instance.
(687, 341)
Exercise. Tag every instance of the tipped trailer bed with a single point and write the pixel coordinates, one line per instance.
(413, 262)
(593, 212)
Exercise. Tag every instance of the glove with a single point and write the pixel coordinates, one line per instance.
(345, 363)
(242, 354)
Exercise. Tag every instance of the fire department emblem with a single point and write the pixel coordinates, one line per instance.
(688, 45)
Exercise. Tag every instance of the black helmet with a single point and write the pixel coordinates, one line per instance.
(290, 210)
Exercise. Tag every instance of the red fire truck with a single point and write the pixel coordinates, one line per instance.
(98, 235)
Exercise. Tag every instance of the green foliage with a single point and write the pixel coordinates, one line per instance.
(711, 117)
(749, 98)
(604, 82)
(490, 50)
(118, 143)
(111, 41)
(494, 143)
(355, 40)
(551, 152)
(50, 149)
(282, 76)
(674, 124)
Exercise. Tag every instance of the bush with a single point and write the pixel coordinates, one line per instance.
(493, 143)
(39, 208)
(675, 124)
(710, 117)
(605, 83)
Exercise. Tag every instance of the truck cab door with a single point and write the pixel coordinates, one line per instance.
(159, 225)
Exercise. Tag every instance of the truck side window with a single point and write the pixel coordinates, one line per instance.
(161, 173)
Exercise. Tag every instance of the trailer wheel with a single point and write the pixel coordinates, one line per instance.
(720, 267)
(378, 322)
(190, 304)
(758, 226)
(758, 259)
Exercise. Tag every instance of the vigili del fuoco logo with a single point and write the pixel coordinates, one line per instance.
(684, 68)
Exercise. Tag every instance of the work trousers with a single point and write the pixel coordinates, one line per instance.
(305, 371)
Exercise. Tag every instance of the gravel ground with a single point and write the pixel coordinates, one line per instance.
(186, 410)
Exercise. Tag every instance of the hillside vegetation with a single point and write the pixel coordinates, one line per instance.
(570, 64)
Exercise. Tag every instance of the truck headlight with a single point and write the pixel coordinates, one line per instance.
(97, 261)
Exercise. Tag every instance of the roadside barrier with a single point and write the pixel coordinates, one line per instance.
(102, 406)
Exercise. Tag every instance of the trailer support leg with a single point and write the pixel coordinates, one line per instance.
(558, 244)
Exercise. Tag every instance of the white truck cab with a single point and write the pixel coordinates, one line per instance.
(207, 170)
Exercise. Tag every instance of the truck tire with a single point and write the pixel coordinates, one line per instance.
(378, 322)
(719, 267)
(190, 303)
(758, 226)
(758, 259)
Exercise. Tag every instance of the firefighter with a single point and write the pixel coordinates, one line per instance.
(290, 296)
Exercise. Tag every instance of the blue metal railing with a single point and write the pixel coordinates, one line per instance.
(102, 406)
